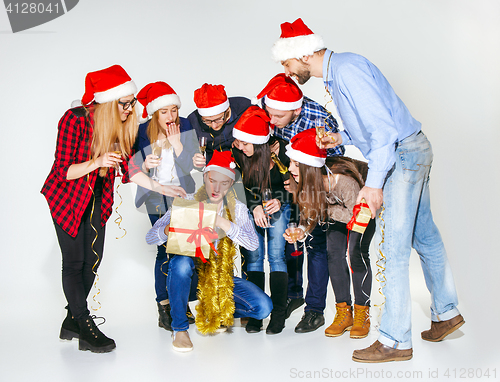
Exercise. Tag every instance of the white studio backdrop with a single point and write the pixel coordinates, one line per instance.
(441, 57)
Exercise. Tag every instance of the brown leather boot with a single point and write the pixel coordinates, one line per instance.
(439, 330)
(378, 352)
(361, 323)
(342, 321)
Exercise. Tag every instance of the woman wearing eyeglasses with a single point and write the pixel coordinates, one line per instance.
(91, 142)
(260, 172)
(175, 140)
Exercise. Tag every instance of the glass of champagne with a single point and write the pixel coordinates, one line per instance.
(203, 145)
(320, 128)
(116, 148)
(157, 153)
(293, 235)
(267, 195)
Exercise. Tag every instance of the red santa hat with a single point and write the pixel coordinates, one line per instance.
(296, 41)
(211, 100)
(253, 126)
(107, 85)
(282, 93)
(156, 95)
(223, 162)
(303, 149)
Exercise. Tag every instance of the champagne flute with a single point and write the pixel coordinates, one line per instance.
(267, 195)
(293, 235)
(157, 153)
(203, 145)
(320, 128)
(116, 148)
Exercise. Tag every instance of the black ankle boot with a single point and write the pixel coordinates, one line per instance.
(279, 292)
(254, 325)
(69, 327)
(91, 338)
(164, 317)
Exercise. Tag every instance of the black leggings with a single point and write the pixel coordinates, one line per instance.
(78, 258)
(338, 268)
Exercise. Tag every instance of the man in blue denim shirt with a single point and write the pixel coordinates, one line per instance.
(399, 157)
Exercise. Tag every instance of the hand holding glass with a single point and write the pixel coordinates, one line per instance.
(157, 153)
(294, 235)
(267, 195)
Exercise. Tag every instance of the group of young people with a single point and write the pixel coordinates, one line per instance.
(282, 189)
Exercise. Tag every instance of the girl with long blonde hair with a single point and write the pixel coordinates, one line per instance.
(92, 142)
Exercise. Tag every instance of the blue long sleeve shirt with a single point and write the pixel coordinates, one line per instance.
(374, 117)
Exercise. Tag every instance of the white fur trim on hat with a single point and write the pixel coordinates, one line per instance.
(301, 157)
(280, 105)
(254, 139)
(296, 47)
(222, 170)
(163, 101)
(123, 90)
(214, 110)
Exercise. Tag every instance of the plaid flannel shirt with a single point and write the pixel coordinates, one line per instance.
(68, 199)
(311, 110)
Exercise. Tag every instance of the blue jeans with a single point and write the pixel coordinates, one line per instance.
(249, 299)
(155, 211)
(405, 222)
(276, 243)
(317, 270)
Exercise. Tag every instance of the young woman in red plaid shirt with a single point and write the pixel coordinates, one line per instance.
(79, 190)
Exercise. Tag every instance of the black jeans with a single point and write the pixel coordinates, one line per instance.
(79, 262)
(359, 259)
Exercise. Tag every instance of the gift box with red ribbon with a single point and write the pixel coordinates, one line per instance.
(361, 215)
(191, 231)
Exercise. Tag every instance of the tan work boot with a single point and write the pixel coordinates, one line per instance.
(181, 341)
(439, 330)
(342, 321)
(361, 323)
(378, 352)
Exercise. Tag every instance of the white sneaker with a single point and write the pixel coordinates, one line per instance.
(181, 341)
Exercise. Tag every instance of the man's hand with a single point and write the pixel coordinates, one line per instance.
(275, 148)
(329, 140)
(172, 191)
(374, 198)
(199, 160)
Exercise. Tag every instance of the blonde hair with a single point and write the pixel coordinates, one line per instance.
(109, 129)
(154, 128)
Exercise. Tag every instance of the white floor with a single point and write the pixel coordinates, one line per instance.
(31, 350)
(32, 311)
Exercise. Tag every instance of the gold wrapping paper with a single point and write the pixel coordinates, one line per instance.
(185, 222)
(362, 217)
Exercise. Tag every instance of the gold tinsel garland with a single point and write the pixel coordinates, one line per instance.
(215, 279)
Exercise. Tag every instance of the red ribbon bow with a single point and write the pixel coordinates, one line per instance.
(355, 211)
(207, 232)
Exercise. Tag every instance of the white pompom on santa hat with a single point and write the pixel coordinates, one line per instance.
(211, 100)
(282, 93)
(155, 96)
(253, 126)
(223, 162)
(303, 149)
(296, 41)
(107, 85)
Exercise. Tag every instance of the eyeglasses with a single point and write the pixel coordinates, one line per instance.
(126, 105)
(216, 121)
